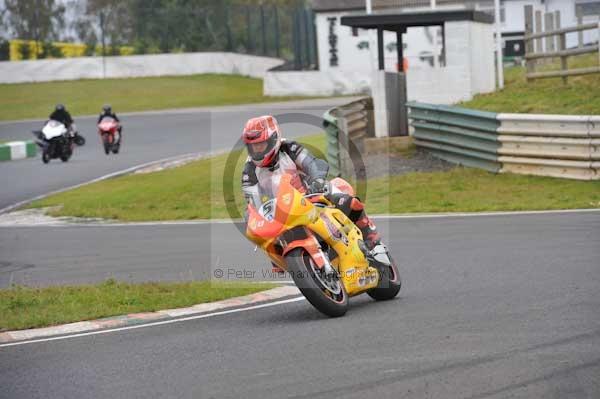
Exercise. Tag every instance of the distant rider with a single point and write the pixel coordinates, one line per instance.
(108, 112)
(63, 116)
(268, 151)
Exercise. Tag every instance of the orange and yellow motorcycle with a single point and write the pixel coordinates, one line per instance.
(319, 246)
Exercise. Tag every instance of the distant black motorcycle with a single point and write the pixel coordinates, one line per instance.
(56, 141)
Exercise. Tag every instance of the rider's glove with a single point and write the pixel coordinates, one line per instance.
(318, 185)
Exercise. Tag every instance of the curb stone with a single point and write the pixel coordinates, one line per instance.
(13, 150)
(140, 318)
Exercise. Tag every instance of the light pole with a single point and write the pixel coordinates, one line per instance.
(369, 8)
(102, 29)
(436, 63)
(499, 63)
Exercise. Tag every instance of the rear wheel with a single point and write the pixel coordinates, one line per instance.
(116, 148)
(389, 281)
(326, 293)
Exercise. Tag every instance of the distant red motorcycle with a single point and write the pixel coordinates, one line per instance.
(108, 128)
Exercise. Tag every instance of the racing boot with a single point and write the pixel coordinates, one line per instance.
(376, 252)
(363, 222)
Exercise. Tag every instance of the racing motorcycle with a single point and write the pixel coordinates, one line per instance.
(108, 129)
(319, 246)
(56, 141)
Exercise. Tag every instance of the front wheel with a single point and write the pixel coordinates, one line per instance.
(45, 156)
(389, 281)
(326, 293)
(106, 142)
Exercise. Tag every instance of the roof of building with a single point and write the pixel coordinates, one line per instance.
(353, 5)
(397, 21)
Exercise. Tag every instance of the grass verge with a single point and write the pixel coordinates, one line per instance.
(195, 191)
(24, 307)
(545, 96)
(85, 97)
(473, 190)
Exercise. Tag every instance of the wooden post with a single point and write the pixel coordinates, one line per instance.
(549, 26)
(562, 46)
(539, 43)
(530, 64)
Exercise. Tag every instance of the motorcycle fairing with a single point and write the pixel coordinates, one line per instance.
(293, 211)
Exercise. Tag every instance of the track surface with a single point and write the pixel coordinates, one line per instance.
(492, 307)
(147, 137)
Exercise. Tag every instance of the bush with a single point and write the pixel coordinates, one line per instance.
(49, 50)
(25, 51)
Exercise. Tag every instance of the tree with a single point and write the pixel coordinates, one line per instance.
(38, 20)
(108, 22)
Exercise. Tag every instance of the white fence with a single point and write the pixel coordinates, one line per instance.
(135, 66)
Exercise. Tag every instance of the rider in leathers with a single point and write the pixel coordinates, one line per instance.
(268, 151)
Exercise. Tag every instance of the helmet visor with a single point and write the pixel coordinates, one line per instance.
(258, 151)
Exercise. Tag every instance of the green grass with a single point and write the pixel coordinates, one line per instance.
(581, 96)
(474, 190)
(195, 191)
(84, 97)
(24, 307)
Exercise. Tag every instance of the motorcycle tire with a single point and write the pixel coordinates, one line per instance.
(65, 158)
(106, 143)
(45, 157)
(116, 148)
(389, 282)
(79, 140)
(303, 272)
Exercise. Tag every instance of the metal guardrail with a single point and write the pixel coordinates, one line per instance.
(547, 145)
(550, 145)
(346, 126)
(458, 135)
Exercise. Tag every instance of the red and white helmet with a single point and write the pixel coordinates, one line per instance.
(263, 139)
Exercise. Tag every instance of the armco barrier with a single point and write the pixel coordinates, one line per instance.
(550, 145)
(547, 145)
(458, 135)
(17, 150)
(346, 126)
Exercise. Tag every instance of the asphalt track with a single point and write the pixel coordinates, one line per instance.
(492, 307)
(147, 137)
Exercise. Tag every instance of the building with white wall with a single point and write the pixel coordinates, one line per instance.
(445, 62)
(422, 43)
(513, 20)
(346, 60)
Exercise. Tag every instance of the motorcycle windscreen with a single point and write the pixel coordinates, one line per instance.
(107, 123)
(53, 129)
